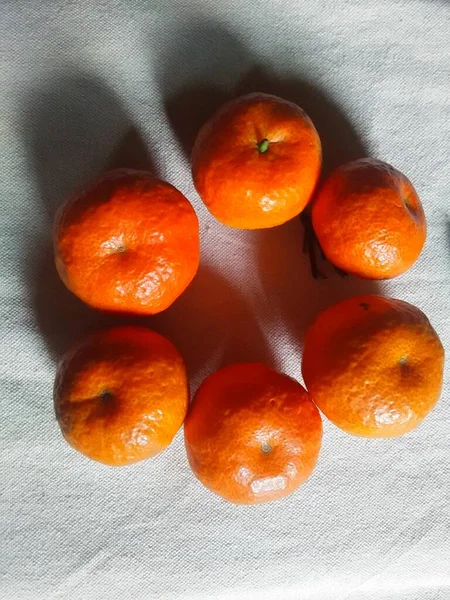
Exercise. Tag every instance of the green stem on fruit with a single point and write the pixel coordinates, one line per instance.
(263, 145)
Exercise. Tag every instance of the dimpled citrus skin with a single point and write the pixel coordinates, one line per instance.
(249, 189)
(369, 220)
(129, 243)
(121, 395)
(252, 434)
(373, 365)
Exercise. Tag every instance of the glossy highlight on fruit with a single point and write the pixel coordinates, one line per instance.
(121, 395)
(369, 220)
(252, 434)
(257, 161)
(373, 365)
(129, 243)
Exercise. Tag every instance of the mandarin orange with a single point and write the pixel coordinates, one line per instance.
(252, 434)
(129, 243)
(256, 162)
(121, 395)
(373, 365)
(369, 220)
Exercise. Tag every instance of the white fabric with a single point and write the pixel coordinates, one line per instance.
(86, 84)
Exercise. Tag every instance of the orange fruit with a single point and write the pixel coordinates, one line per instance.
(369, 220)
(252, 434)
(256, 162)
(373, 365)
(129, 243)
(121, 395)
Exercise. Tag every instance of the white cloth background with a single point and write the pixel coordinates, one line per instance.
(87, 84)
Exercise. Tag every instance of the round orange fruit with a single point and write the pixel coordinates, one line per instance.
(121, 395)
(252, 434)
(369, 220)
(256, 162)
(128, 243)
(373, 365)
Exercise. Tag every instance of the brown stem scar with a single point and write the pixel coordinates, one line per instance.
(106, 396)
(266, 448)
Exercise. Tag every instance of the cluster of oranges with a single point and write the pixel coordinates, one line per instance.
(130, 243)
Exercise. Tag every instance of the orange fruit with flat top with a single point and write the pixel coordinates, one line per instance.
(257, 161)
(373, 365)
(369, 220)
(121, 395)
(129, 243)
(252, 434)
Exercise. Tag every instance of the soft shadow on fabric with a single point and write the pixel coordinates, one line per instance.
(285, 274)
(228, 71)
(75, 128)
(212, 326)
(285, 270)
(198, 74)
(211, 323)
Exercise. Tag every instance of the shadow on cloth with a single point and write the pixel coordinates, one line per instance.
(75, 128)
(212, 326)
(195, 84)
(198, 74)
(285, 270)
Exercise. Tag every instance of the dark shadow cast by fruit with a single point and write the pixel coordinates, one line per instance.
(285, 269)
(285, 273)
(198, 74)
(194, 93)
(74, 128)
(212, 326)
